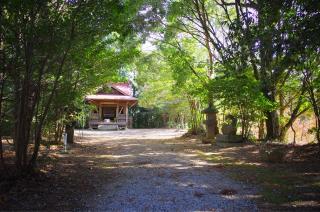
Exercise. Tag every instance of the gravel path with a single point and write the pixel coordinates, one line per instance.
(153, 171)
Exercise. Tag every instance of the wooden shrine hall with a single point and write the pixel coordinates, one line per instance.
(112, 103)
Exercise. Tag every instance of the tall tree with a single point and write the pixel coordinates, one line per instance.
(41, 42)
(187, 22)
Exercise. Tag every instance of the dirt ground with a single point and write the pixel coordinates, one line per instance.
(130, 170)
(156, 170)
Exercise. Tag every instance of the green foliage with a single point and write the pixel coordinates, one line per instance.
(260, 45)
(55, 52)
(157, 89)
(239, 95)
(148, 118)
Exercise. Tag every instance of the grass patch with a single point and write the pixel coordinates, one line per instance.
(278, 183)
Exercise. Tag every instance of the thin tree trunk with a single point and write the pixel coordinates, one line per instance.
(56, 132)
(316, 110)
(48, 104)
(261, 130)
(1, 147)
(1, 100)
(243, 126)
(60, 132)
(40, 124)
(294, 134)
(315, 106)
(318, 131)
(46, 109)
(23, 124)
(23, 112)
(281, 104)
(2, 77)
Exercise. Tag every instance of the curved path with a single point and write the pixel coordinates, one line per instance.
(153, 170)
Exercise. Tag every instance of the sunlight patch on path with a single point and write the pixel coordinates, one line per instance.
(156, 172)
(131, 133)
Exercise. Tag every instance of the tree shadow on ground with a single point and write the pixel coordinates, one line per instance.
(73, 181)
(293, 185)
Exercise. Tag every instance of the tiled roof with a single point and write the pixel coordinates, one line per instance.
(123, 87)
(110, 97)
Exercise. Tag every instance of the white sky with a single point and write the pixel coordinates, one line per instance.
(148, 46)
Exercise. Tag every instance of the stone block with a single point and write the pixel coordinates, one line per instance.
(229, 138)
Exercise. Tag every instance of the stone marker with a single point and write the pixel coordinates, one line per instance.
(211, 124)
(229, 131)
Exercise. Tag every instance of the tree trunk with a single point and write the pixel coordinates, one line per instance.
(261, 130)
(21, 140)
(1, 154)
(272, 124)
(283, 133)
(285, 128)
(23, 113)
(46, 109)
(1, 147)
(196, 119)
(318, 131)
(272, 121)
(58, 132)
(2, 77)
(22, 129)
(294, 135)
(311, 89)
(316, 111)
(37, 141)
(268, 15)
(317, 117)
(281, 104)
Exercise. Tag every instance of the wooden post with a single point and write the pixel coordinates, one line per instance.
(127, 112)
(100, 111)
(117, 111)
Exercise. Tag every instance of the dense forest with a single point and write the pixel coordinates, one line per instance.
(257, 61)
(52, 54)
